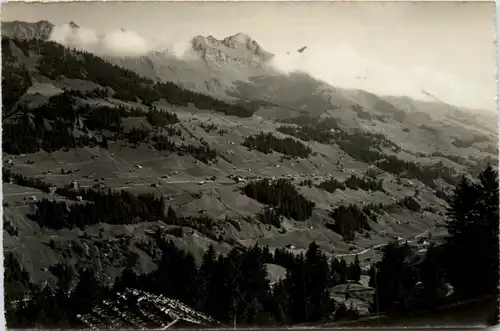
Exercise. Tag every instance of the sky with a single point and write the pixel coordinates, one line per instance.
(397, 48)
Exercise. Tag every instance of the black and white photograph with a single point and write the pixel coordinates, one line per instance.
(235, 165)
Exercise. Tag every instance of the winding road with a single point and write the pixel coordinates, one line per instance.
(366, 250)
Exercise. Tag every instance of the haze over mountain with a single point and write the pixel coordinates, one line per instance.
(338, 51)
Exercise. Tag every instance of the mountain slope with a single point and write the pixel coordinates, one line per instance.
(209, 66)
(130, 91)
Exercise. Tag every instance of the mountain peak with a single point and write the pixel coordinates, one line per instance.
(240, 48)
(241, 38)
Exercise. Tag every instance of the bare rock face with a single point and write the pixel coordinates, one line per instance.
(238, 50)
(25, 30)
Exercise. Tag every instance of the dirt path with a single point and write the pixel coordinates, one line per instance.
(366, 250)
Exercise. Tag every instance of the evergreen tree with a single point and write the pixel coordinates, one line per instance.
(86, 294)
(355, 270)
(128, 279)
(472, 247)
(317, 283)
(254, 287)
(177, 274)
(308, 287)
(433, 288)
(267, 256)
(207, 273)
(281, 300)
(396, 280)
(17, 280)
(171, 216)
(295, 283)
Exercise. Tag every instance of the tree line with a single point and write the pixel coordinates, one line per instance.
(348, 220)
(267, 143)
(161, 142)
(282, 196)
(366, 147)
(112, 207)
(56, 60)
(354, 183)
(30, 134)
(119, 207)
(233, 289)
(50, 127)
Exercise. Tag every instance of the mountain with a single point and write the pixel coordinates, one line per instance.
(23, 30)
(235, 51)
(209, 66)
(212, 67)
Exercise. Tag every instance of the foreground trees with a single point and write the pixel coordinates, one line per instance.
(233, 289)
(472, 247)
(464, 267)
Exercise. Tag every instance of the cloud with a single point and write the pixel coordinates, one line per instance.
(181, 48)
(113, 43)
(342, 66)
(125, 43)
(81, 38)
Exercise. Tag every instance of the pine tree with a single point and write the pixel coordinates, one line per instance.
(336, 276)
(433, 287)
(396, 279)
(207, 295)
(317, 274)
(86, 294)
(267, 256)
(472, 247)
(17, 280)
(128, 279)
(171, 216)
(176, 275)
(355, 270)
(254, 287)
(279, 303)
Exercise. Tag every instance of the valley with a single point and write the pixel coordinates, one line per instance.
(104, 164)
